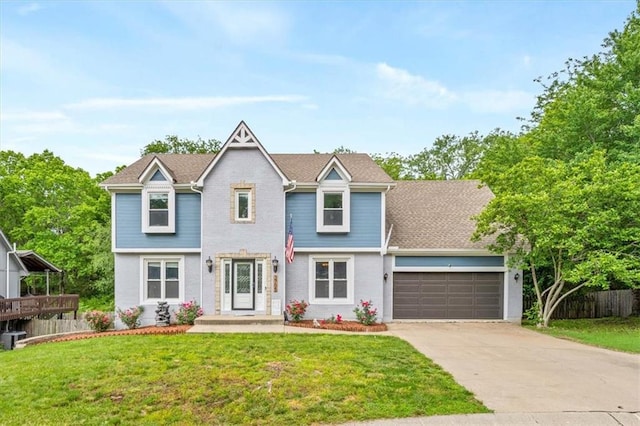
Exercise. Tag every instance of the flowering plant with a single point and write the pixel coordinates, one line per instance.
(296, 309)
(99, 321)
(337, 319)
(365, 313)
(131, 316)
(188, 312)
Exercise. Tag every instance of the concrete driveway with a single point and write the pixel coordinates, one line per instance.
(515, 370)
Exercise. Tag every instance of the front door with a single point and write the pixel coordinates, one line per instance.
(243, 284)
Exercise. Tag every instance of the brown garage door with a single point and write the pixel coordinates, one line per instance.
(447, 295)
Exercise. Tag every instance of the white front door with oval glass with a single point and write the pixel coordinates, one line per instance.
(243, 285)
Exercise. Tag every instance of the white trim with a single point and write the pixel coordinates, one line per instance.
(155, 188)
(241, 128)
(114, 219)
(334, 163)
(181, 278)
(337, 249)
(152, 167)
(450, 269)
(158, 250)
(350, 260)
(442, 252)
(505, 293)
(236, 204)
(333, 188)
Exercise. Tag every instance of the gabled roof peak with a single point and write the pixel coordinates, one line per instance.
(334, 163)
(242, 137)
(155, 165)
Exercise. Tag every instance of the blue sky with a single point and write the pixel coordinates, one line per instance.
(95, 82)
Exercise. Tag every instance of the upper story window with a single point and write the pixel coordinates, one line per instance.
(332, 205)
(158, 209)
(243, 203)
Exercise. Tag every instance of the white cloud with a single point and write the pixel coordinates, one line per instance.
(400, 85)
(498, 101)
(241, 22)
(185, 103)
(27, 9)
(526, 60)
(33, 116)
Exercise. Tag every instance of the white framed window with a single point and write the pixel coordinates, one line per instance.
(331, 279)
(243, 205)
(158, 209)
(162, 279)
(333, 211)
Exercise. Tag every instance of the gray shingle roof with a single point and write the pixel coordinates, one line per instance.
(185, 168)
(298, 167)
(435, 214)
(306, 167)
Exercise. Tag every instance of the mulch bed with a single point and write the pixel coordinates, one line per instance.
(343, 326)
(172, 329)
(177, 329)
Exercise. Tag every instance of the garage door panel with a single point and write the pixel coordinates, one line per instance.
(447, 295)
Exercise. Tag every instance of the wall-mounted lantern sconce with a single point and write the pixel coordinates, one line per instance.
(274, 263)
(516, 276)
(385, 276)
(209, 264)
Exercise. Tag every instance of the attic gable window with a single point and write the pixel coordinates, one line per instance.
(158, 208)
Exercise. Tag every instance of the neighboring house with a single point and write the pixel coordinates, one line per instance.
(21, 264)
(210, 228)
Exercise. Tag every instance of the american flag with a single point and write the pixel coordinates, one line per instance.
(288, 252)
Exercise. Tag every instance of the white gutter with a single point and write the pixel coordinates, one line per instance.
(8, 269)
(284, 258)
(194, 189)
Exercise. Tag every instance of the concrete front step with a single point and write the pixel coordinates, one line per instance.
(239, 320)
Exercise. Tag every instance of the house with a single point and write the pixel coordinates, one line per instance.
(213, 228)
(16, 265)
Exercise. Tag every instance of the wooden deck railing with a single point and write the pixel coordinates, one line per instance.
(32, 306)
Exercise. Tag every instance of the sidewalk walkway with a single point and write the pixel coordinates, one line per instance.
(515, 419)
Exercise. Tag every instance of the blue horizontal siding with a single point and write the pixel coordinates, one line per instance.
(365, 226)
(449, 261)
(129, 224)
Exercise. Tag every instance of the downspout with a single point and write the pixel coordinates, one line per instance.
(384, 249)
(284, 271)
(8, 269)
(194, 189)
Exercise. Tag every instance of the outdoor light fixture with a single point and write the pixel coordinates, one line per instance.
(209, 263)
(274, 263)
(516, 276)
(385, 276)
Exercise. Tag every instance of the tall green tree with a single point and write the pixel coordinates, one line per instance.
(453, 157)
(594, 102)
(580, 220)
(567, 190)
(172, 144)
(56, 210)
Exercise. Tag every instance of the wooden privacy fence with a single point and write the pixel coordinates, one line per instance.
(43, 327)
(598, 304)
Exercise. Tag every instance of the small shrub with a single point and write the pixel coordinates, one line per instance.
(188, 312)
(99, 321)
(337, 319)
(296, 310)
(365, 313)
(131, 316)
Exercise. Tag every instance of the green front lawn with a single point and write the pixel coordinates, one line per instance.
(622, 334)
(225, 379)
